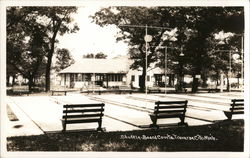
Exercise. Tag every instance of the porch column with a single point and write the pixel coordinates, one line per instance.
(107, 80)
(65, 79)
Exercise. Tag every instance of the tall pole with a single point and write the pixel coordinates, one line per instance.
(146, 42)
(93, 85)
(242, 63)
(146, 60)
(230, 71)
(166, 69)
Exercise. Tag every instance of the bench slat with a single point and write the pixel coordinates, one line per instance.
(238, 108)
(170, 111)
(237, 100)
(85, 110)
(171, 107)
(238, 112)
(82, 105)
(169, 116)
(171, 102)
(82, 116)
(237, 104)
(82, 121)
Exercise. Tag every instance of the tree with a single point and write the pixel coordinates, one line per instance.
(58, 22)
(223, 51)
(11, 72)
(26, 45)
(64, 59)
(99, 55)
(140, 16)
(50, 22)
(202, 23)
(194, 27)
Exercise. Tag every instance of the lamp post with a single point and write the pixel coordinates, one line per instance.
(94, 75)
(242, 58)
(147, 39)
(181, 67)
(165, 67)
(166, 64)
(230, 68)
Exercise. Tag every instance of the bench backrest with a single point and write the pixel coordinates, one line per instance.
(237, 106)
(93, 87)
(20, 88)
(124, 88)
(153, 88)
(83, 113)
(170, 107)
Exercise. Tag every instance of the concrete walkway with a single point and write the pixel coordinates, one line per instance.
(42, 114)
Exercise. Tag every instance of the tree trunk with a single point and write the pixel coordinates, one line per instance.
(48, 66)
(47, 74)
(142, 81)
(194, 84)
(13, 80)
(238, 82)
(50, 55)
(8, 80)
(204, 81)
(217, 83)
(228, 84)
(31, 83)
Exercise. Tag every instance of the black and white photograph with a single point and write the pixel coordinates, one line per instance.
(102, 79)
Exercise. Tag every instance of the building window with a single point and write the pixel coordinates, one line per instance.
(148, 78)
(115, 77)
(133, 78)
(119, 77)
(87, 77)
(79, 77)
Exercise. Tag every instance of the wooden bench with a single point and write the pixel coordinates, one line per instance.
(154, 89)
(236, 107)
(95, 89)
(169, 109)
(211, 90)
(180, 90)
(83, 113)
(21, 89)
(58, 91)
(124, 89)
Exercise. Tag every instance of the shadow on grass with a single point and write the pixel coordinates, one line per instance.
(221, 136)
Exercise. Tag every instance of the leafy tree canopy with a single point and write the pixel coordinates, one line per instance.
(193, 25)
(99, 55)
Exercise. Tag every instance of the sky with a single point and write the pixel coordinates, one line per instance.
(91, 38)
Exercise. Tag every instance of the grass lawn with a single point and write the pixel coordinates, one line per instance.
(221, 136)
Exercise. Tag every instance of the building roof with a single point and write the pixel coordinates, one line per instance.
(117, 65)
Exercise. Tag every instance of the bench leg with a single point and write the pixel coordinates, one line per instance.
(182, 124)
(64, 126)
(182, 121)
(154, 121)
(100, 126)
(228, 115)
